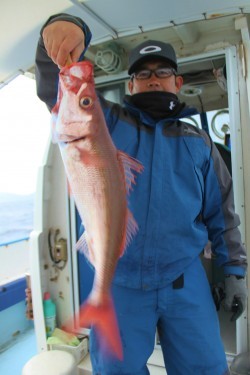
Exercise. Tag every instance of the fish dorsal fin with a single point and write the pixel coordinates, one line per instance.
(129, 165)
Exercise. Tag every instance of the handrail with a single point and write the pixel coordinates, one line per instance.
(14, 241)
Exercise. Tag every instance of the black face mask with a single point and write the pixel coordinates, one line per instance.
(157, 104)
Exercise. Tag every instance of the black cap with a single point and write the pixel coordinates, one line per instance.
(151, 49)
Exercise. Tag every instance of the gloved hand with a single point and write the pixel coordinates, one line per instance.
(235, 295)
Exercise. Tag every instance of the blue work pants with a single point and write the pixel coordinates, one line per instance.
(186, 319)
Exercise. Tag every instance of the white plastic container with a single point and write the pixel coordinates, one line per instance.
(79, 352)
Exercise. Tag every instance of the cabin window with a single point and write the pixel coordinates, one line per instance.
(218, 125)
(25, 127)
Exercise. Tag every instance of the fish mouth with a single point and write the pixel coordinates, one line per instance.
(75, 140)
(68, 139)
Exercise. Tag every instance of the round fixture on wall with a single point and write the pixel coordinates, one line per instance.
(187, 90)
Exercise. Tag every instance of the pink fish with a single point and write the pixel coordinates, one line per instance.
(100, 177)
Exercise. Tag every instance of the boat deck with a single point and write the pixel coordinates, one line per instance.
(15, 354)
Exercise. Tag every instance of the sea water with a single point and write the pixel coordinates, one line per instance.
(16, 217)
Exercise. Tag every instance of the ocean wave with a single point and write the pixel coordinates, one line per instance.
(16, 217)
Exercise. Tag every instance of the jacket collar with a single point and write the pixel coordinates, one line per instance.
(144, 117)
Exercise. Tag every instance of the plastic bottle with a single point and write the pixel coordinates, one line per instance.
(49, 309)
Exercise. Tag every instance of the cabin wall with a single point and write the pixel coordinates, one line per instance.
(14, 266)
(51, 215)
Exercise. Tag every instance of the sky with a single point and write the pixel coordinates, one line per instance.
(24, 133)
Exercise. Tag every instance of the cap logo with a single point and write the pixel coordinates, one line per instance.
(149, 49)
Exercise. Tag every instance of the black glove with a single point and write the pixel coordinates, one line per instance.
(235, 295)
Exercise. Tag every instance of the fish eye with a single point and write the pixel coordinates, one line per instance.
(86, 102)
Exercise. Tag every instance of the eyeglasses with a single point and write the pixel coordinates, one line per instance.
(159, 73)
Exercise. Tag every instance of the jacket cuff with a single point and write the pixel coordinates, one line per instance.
(234, 270)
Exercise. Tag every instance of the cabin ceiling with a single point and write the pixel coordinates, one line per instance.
(118, 25)
(124, 22)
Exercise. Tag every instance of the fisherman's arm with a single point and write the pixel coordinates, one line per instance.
(220, 218)
(223, 228)
(63, 38)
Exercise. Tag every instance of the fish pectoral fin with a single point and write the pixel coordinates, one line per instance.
(129, 165)
(103, 319)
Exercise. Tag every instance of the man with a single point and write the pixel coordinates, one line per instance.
(183, 198)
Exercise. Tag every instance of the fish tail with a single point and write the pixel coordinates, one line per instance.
(103, 319)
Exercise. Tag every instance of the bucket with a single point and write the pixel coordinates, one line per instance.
(54, 362)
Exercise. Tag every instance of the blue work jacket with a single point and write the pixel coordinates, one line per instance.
(183, 197)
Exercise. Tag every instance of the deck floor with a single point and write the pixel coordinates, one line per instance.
(17, 353)
(14, 356)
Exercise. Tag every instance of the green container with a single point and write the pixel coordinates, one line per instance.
(49, 309)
